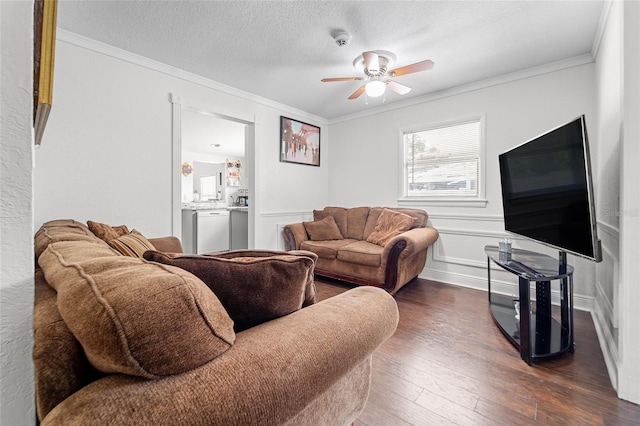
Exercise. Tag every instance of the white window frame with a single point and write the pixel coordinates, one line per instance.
(478, 200)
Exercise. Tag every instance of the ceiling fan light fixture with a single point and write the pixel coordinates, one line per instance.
(375, 88)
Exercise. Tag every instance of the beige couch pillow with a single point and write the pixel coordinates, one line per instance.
(390, 224)
(323, 230)
(132, 316)
(253, 286)
(339, 215)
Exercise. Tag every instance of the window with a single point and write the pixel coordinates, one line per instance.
(443, 162)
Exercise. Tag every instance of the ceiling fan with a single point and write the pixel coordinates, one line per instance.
(375, 65)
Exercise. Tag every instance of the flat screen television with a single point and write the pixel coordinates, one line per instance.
(547, 191)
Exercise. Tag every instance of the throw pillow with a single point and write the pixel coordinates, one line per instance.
(135, 317)
(322, 230)
(390, 224)
(310, 286)
(133, 244)
(106, 232)
(253, 289)
(339, 215)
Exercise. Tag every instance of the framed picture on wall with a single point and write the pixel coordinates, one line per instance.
(299, 142)
(45, 18)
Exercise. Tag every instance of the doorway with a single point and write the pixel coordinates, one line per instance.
(220, 145)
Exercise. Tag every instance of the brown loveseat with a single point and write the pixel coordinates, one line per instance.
(122, 340)
(378, 246)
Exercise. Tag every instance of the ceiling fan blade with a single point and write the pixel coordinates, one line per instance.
(408, 69)
(400, 89)
(326, 80)
(357, 93)
(371, 62)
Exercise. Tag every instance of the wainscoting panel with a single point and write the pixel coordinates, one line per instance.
(281, 243)
(272, 225)
(605, 306)
(458, 257)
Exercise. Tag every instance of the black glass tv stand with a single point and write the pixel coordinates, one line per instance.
(541, 331)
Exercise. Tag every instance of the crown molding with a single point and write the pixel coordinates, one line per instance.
(604, 16)
(123, 55)
(473, 86)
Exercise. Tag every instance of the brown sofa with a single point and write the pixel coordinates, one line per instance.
(122, 340)
(377, 246)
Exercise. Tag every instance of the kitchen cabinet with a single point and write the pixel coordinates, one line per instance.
(239, 229)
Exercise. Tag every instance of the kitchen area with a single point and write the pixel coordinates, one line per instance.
(215, 200)
(208, 228)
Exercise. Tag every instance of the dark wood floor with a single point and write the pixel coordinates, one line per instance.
(448, 364)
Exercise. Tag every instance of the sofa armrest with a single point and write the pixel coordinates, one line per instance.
(295, 234)
(416, 240)
(270, 375)
(167, 244)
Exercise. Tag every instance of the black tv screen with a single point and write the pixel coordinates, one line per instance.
(547, 191)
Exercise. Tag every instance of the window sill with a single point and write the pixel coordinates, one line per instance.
(444, 202)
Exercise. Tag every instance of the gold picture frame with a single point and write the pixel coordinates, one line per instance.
(44, 22)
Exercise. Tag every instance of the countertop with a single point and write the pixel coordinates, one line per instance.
(213, 206)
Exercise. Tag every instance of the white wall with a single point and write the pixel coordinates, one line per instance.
(608, 90)
(365, 167)
(108, 144)
(16, 214)
(629, 294)
(615, 310)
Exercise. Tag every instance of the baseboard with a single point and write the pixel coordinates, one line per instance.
(580, 302)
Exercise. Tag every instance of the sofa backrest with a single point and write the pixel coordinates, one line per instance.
(61, 366)
(359, 222)
(374, 213)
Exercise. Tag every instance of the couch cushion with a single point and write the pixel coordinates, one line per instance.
(61, 367)
(62, 230)
(325, 249)
(356, 221)
(362, 253)
(253, 287)
(106, 232)
(322, 230)
(374, 213)
(339, 215)
(372, 221)
(420, 216)
(390, 223)
(132, 316)
(133, 244)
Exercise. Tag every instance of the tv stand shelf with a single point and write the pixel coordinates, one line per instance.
(537, 334)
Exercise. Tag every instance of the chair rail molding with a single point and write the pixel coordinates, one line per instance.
(467, 217)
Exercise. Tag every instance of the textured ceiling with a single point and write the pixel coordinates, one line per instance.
(280, 50)
(202, 132)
